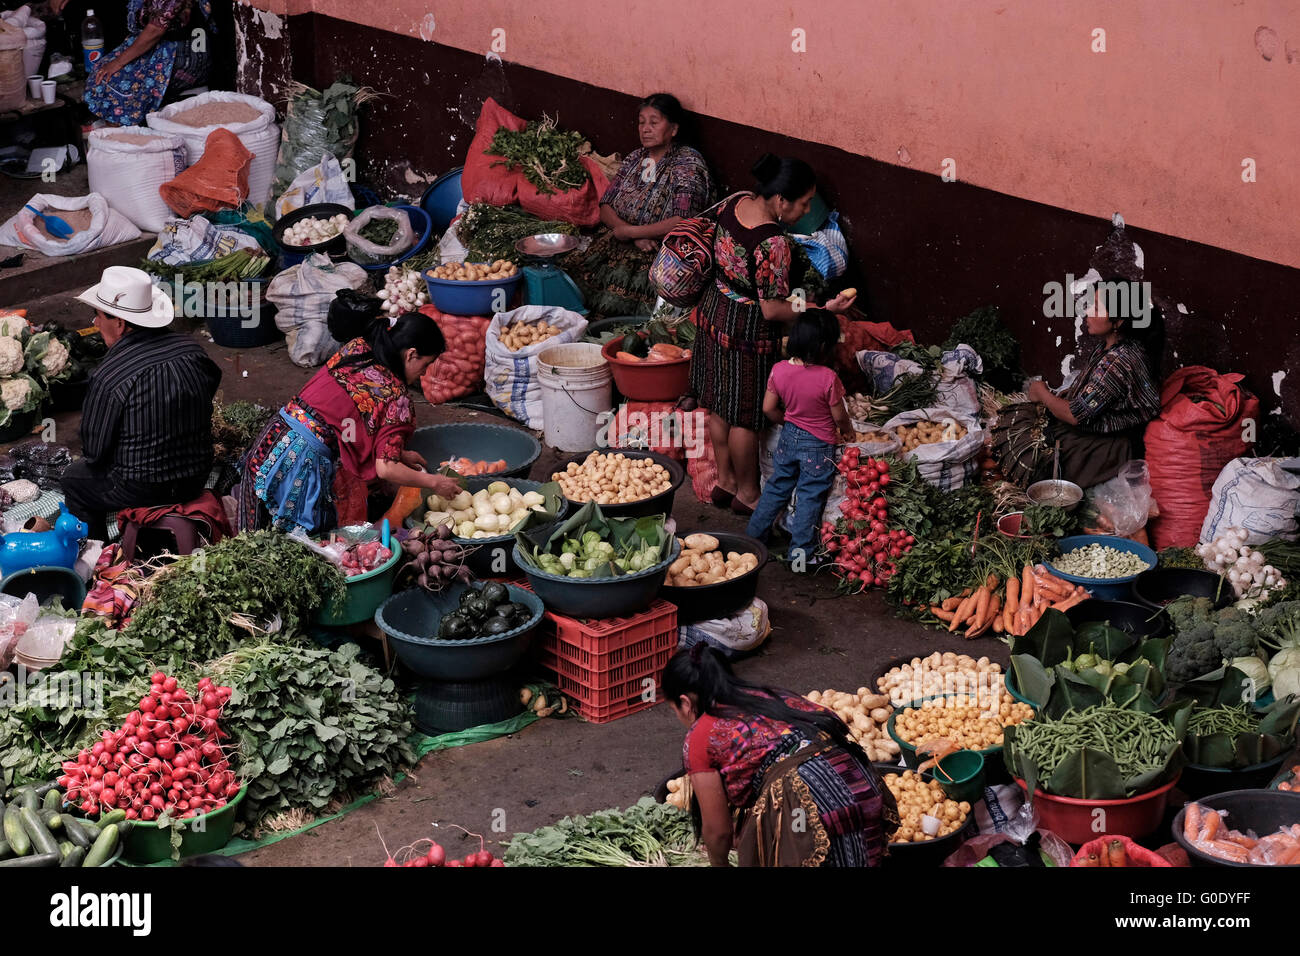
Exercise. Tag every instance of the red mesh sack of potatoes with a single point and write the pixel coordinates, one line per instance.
(458, 371)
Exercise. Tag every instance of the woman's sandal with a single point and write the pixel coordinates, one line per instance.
(740, 508)
(720, 498)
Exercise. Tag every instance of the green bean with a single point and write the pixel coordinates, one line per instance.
(1137, 742)
(1232, 720)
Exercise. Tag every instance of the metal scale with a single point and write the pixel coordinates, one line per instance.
(545, 282)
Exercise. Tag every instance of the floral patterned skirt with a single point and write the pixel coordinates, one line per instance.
(287, 478)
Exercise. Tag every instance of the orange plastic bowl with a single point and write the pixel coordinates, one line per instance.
(1072, 819)
(648, 381)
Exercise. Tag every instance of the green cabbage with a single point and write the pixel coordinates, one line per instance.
(1284, 668)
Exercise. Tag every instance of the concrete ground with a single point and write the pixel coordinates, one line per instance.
(558, 767)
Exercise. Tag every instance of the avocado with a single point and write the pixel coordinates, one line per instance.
(495, 593)
(498, 625)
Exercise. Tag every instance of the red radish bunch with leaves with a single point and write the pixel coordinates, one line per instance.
(364, 557)
(166, 758)
(416, 855)
(860, 543)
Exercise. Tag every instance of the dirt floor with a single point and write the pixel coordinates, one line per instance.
(558, 767)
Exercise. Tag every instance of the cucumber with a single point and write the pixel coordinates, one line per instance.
(5, 852)
(53, 800)
(65, 848)
(45, 859)
(42, 840)
(42, 789)
(108, 819)
(27, 799)
(78, 833)
(75, 857)
(17, 838)
(52, 819)
(104, 846)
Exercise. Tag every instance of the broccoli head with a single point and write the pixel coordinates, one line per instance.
(1230, 614)
(1235, 639)
(1193, 653)
(1279, 624)
(1187, 611)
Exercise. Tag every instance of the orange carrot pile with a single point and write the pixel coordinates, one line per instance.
(1292, 783)
(1015, 610)
(1112, 854)
(1204, 829)
(464, 466)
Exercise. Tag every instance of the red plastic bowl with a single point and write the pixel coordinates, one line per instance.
(648, 381)
(1072, 819)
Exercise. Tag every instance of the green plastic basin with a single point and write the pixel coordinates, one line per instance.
(365, 592)
(149, 843)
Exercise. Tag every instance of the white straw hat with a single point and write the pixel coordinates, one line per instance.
(129, 294)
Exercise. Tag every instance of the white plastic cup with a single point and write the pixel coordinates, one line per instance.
(47, 91)
(34, 85)
(930, 824)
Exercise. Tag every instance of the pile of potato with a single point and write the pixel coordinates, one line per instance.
(916, 798)
(475, 271)
(865, 715)
(930, 433)
(679, 793)
(945, 673)
(520, 335)
(613, 479)
(969, 723)
(701, 562)
(488, 513)
(880, 437)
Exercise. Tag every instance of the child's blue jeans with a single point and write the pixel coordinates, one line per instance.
(802, 463)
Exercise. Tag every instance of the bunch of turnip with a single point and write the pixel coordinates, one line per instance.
(438, 561)
(403, 291)
(312, 231)
(1245, 568)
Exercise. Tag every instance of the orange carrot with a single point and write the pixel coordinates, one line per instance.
(982, 604)
(941, 614)
(1115, 851)
(963, 612)
(1213, 821)
(1227, 851)
(999, 625)
(992, 582)
(1027, 586)
(1192, 822)
(1069, 602)
(1013, 594)
(951, 604)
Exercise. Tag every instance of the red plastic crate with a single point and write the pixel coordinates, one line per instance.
(603, 665)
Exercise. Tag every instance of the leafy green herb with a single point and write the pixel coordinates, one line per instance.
(490, 232)
(379, 231)
(646, 834)
(928, 357)
(998, 349)
(547, 155)
(1046, 520)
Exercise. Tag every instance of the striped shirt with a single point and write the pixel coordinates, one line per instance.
(148, 411)
(1115, 390)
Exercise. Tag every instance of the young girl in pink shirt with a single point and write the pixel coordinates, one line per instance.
(806, 395)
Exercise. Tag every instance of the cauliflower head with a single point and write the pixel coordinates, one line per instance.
(14, 393)
(11, 356)
(13, 326)
(55, 361)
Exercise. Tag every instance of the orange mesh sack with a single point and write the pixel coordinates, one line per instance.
(217, 181)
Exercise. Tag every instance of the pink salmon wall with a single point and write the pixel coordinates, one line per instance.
(1010, 91)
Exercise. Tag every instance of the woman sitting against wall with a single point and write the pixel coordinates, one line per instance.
(658, 185)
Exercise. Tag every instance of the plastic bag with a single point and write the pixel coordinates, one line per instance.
(302, 295)
(9, 605)
(741, 633)
(322, 183)
(579, 206)
(1261, 495)
(458, 371)
(1134, 855)
(947, 464)
(184, 241)
(827, 248)
(1124, 502)
(316, 122)
(361, 249)
(1026, 844)
(217, 181)
(511, 377)
(46, 637)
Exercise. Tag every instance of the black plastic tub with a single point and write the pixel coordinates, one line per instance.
(1136, 619)
(1160, 586)
(1198, 780)
(1263, 811)
(69, 396)
(233, 330)
(598, 597)
(334, 247)
(408, 616)
(448, 707)
(478, 442)
(660, 504)
(20, 425)
(930, 853)
(710, 601)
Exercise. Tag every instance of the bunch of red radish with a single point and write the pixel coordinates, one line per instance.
(166, 758)
(436, 856)
(860, 541)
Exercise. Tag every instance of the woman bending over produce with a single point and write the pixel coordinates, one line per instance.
(656, 187)
(742, 317)
(758, 757)
(1099, 418)
(352, 419)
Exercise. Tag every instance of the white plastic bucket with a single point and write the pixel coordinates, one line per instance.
(577, 389)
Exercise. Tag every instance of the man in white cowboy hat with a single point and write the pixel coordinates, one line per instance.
(146, 427)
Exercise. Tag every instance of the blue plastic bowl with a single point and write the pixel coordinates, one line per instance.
(423, 227)
(409, 616)
(598, 597)
(478, 442)
(442, 198)
(463, 297)
(1115, 589)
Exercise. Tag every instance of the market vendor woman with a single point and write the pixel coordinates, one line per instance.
(758, 758)
(160, 53)
(351, 420)
(656, 187)
(1100, 417)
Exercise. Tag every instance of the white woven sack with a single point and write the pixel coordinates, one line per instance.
(261, 136)
(947, 464)
(302, 295)
(1261, 495)
(511, 377)
(128, 174)
(107, 227)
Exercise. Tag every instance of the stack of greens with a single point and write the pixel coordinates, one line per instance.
(646, 834)
(232, 267)
(547, 155)
(235, 425)
(490, 232)
(998, 349)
